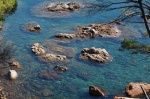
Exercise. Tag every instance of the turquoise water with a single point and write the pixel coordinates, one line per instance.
(74, 83)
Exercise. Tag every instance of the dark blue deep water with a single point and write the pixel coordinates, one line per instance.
(74, 83)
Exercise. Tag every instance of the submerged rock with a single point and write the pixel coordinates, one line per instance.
(96, 91)
(135, 89)
(54, 57)
(15, 64)
(124, 98)
(95, 54)
(12, 74)
(61, 6)
(94, 30)
(38, 49)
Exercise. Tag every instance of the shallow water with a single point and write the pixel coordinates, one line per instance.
(72, 84)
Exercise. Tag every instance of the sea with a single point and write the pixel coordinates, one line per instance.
(113, 77)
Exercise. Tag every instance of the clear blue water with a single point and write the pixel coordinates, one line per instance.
(74, 83)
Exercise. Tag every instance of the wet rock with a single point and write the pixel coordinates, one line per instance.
(95, 54)
(15, 64)
(38, 49)
(12, 74)
(46, 92)
(95, 91)
(61, 6)
(135, 89)
(33, 27)
(124, 98)
(63, 35)
(48, 75)
(3, 95)
(61, 68)
(54, 57)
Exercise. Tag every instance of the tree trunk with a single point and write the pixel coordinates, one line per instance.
(144, 17)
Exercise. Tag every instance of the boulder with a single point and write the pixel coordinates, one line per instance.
(61, 68)
(15, 64)
(54, 57)
(95, 54)
(38, 49)
(95, 91)
(135, 89)
(1, 27)
(33, 27)
(12, 74)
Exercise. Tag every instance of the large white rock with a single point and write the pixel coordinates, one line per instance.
(12, 74)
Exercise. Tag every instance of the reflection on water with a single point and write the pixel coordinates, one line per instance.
(74, 83)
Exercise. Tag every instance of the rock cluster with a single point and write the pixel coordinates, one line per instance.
(38, 49)
(54, 57)
(12, 74)
(95, 91)
(93, 30)
(95, 54)
(135, 89)
(60, 6)
(3, 94)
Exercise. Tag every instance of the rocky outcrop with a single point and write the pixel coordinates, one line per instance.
(61, 6)
(54, 57)
(15, 64)
(61, 68)
(33, 27)
(95, 54)
(12, 74)
(135, 89)
(38, 49)
(95, 91)
(94, 30)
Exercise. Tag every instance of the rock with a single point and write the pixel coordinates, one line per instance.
(33, 27)
(12, 74)
(93, 54)
(135, 90)
(61, 68)
(61, 6)
(1, 88)
(1, 27)
(95, 91)
(54, 57)
(15, 64)
(48, 75)
(63, 35)
(124, 98)
(38, 49)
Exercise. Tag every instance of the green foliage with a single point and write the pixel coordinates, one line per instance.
(134, 46)
(7, 7)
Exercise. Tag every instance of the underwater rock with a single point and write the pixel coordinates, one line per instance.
(93, 30)
(33, 27)
(61, 68)
(15, 64)
(124, 98)
(95, 91)
(95, 54)
(61, 6)
(135, 89)
(12, 74)
(54, 57)
(38, 49)
(47, 75)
